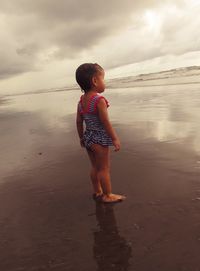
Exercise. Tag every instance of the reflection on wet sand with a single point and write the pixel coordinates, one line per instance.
(45, 187)
(111, 250)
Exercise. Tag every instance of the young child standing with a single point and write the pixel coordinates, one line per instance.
(99, 133)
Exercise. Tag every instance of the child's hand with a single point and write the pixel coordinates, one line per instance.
(116, 144)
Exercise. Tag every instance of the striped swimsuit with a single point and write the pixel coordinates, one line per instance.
(95, 132)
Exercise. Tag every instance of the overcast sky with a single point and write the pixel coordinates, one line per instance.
(43, 41)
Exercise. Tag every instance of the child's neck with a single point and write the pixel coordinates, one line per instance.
(91, 92)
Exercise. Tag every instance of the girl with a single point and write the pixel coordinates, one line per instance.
(99, 133)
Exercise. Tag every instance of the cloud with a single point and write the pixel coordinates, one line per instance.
(34, 34)
(38, 31)
(160, 31)
(181, 32)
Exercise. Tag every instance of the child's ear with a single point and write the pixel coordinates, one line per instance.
(94, 81)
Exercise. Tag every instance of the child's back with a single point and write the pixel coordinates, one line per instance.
(95, 132)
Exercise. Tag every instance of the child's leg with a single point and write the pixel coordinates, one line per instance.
(102, 165)
(93, 173)
(102, 161)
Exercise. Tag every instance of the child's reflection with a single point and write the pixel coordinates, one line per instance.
(111, 251)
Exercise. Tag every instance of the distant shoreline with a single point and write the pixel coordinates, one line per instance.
(184, 75)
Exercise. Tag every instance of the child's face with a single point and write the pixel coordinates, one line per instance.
(99, 82)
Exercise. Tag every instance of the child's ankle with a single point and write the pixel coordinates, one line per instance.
(107, 194)
(98, 193)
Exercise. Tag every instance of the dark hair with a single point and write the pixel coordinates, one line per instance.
(84, 74)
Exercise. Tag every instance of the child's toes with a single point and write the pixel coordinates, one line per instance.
(120, 197)
(112, 198)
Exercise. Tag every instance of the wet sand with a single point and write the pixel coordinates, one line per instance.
(48, 219)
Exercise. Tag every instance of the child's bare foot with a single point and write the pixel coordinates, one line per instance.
(111, 198)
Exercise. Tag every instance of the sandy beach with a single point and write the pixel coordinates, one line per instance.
(48, 219)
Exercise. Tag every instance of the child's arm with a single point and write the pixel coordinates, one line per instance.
(103, 115)
(79, 125)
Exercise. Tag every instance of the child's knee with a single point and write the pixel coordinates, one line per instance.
(102, 168)
(102, 165)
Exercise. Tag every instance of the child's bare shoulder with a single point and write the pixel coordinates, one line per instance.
(102, 102)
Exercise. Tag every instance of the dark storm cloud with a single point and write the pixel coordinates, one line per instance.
(38, 31)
